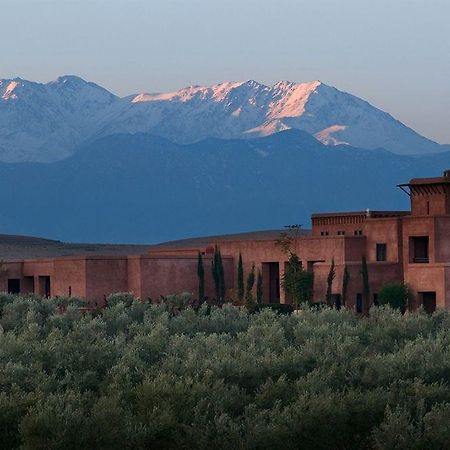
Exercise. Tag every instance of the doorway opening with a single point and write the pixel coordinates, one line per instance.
(44, 286)
(428, 301)
(14, 286)
(271, 282)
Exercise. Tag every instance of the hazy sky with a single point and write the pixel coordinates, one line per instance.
(393, 53)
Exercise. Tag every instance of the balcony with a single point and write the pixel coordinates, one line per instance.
(422, 260)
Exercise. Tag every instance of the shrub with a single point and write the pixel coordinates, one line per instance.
(396, 295)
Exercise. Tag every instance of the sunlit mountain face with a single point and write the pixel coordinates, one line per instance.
(50, 122)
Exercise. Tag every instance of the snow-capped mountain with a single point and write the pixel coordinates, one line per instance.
(47, 122)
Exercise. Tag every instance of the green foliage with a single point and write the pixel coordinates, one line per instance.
(249, 300)
(281, 308)
(345, 283)
(365, 281)
(201, 278)
(136, 376)
(218, 275)
(396, 295)
(296, 281)
(330, 278)
(259, 288)
(240, 280)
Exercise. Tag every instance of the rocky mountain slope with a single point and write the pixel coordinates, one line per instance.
(49, 122)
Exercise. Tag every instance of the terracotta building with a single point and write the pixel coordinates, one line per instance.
(400, 246)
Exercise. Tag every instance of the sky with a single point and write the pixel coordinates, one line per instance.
(393, 53)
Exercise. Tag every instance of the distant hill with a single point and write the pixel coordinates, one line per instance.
(49, 122)
(142, 188)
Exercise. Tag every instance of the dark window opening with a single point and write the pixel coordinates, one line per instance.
(271, 282)
(359, 303)
(337, 300)
(381, 252)
(428, 301)
(419, 249)
(70, 291)
(375, 300)
(358, 232)
(341, 233)
(44, 286)
(13, 286)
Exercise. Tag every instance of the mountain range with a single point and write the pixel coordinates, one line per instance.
(144, 188)
(78, 163)
(52, 121)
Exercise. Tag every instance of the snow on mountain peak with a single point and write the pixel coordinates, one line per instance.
(9, 93)
(49, 121)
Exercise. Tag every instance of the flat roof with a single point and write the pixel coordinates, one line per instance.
(15, 247)
(263, 235)
(367, 213)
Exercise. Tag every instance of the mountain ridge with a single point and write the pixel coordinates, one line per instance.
(145, 188)
(49, 121)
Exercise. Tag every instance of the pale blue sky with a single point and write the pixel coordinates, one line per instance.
(393, 53)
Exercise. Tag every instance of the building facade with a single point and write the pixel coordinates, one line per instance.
(400, 246)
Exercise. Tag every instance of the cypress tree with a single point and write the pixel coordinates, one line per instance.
(218, 275)
(330, 278)
(215, 273)
(221, 279)
(259, 288)
(249, 291)
(201, 278)
(365, 279)
(345, 281)
(240, 280)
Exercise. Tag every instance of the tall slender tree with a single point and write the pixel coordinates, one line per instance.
(218, 275)
(240, 280)
(259, 287)
(365, 280)
(201, 278)
(331, 276)
(249, 288)
(345, 282)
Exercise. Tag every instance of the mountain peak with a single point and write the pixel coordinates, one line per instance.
(64, 113)
(69, 79)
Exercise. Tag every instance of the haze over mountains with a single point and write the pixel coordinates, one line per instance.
(50, 122)
(78, 163)
(142, 188)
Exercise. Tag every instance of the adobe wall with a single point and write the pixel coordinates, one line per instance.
(9, 270)
(69, 276)
(166, 275)
(442, 239)
(105, 276)
(432, 205)
(428, 278)
(135, 276)
(387, 231)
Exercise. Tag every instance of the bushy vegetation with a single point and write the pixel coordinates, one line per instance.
(396, 295)
(139, 376)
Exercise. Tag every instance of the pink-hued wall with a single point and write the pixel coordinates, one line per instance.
(342, 237)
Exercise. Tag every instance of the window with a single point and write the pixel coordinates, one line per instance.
(375, 300)
(358, 232)
(324, 233)
(341, 233)
(359, 303)
(381, 252)
(418, 249)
